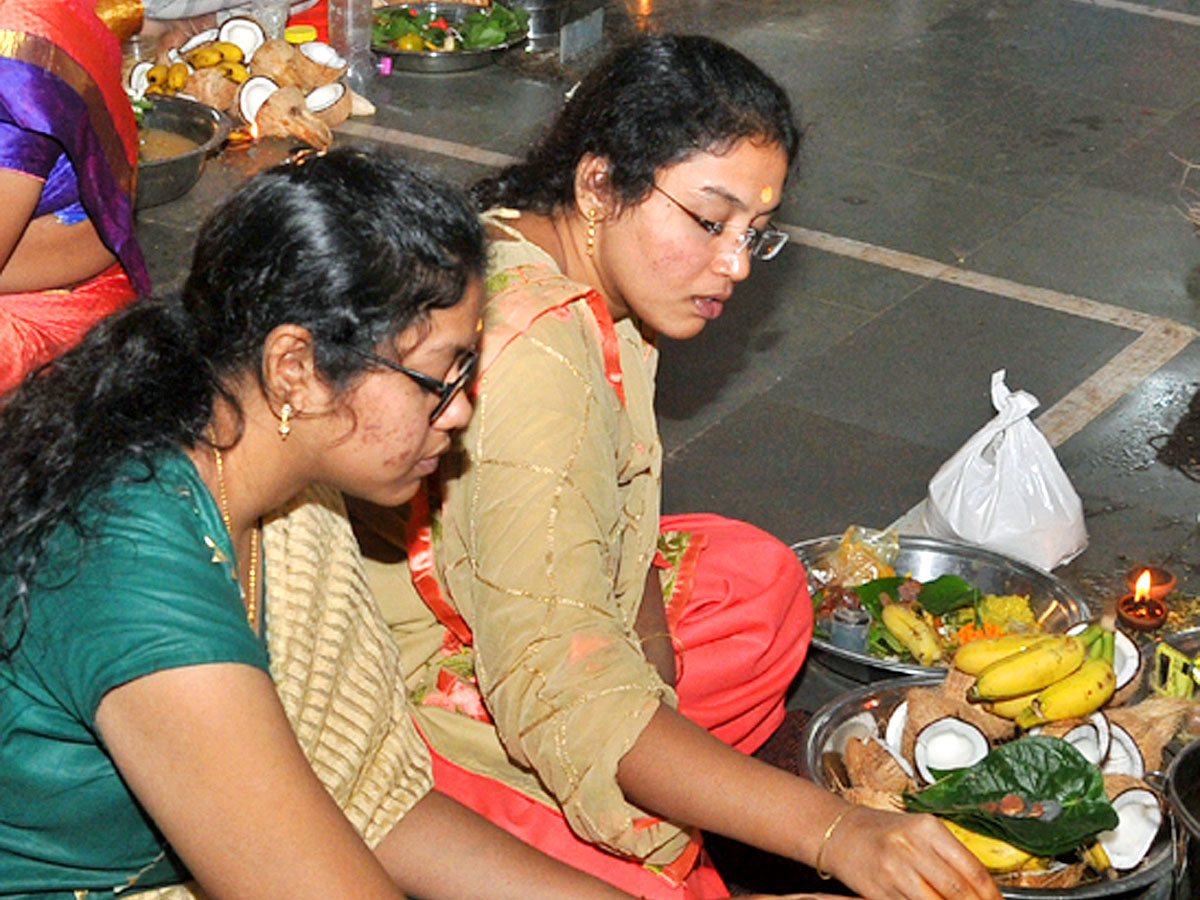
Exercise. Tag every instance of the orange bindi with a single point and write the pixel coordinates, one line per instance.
(766, 194)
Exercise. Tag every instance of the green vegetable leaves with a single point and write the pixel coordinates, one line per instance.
(947, 593)
(1062, 794)
(478, 30)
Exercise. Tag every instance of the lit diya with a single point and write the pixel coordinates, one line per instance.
(1140, 610)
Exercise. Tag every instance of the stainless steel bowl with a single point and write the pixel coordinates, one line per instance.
(1054, 602)
(434, 61)
(164, 180)
(822, 736)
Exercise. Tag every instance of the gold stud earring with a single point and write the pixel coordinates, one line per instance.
(285, 421)
(591, 232)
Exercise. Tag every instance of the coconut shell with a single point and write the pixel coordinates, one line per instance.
(284, 113)
(956, 684)
(339, 112)
(1060, 727)
(313, 74)
(1116, 783)
(1057, 878)
(1151, 723)
(887, 801)
(869, 764)
(360, 105)
(277, 60)
(211, 87)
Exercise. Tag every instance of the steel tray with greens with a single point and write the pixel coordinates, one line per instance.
(432, 28)
(927, 596)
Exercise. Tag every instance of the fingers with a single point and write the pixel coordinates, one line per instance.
(913, 857)
(948, 868)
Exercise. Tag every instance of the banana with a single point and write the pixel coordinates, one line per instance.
(1079, 694)
(913, 632)
(995, 854)
(1029, 670)
(177, 75)
(975, 656)
(229, 51)
(1096, 857)
(157, 74)
(205, 57)
(234, 70)
(1012, 707)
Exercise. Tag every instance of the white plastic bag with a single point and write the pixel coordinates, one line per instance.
(1005, 490)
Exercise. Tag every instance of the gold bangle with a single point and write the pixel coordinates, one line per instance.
(825, 841)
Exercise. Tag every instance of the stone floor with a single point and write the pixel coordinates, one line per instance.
(985, 184)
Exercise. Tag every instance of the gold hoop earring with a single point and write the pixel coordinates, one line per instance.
(591, 232)
(285, 421)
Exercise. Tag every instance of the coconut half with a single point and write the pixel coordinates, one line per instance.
(198, 40)
(253, 94)
(948, 743)
(893, 733)
(1139, 815)
(1124, 757)
(1090, 736)
(869, 763)
(137, 78)
(318, 63)
(330, 103)
(860, 725)
(245, 33)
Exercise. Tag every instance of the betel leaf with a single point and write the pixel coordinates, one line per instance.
(1037, 769)
(947, 593)
(868, 593)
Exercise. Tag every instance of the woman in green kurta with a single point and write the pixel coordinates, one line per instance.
(322, 338)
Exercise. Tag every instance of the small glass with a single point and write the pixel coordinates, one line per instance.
(272, 15)
(135, 49)
(850, 627)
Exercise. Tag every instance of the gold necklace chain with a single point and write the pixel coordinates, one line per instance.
(250, 595)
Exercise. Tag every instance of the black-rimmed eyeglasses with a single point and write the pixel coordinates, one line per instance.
(764, 243)
(445, 391)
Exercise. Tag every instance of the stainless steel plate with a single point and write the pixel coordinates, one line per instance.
(1054, 602)
(878, 700)
(443, 60)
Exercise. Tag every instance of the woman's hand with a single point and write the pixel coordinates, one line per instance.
(912, 857)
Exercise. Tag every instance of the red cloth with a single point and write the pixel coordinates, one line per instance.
(36, 327)
(742, 635)
(318, 17)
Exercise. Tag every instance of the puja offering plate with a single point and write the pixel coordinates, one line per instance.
(870, 709)
(438, 61)
(1054, 603)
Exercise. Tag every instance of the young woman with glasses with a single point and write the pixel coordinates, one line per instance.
(583, 667)
(196, 693)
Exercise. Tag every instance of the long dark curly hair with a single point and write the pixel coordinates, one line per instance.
(352, 245)
(649, 103)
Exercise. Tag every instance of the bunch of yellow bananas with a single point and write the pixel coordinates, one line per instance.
(224, 56)
(910, 628)
(1041, 678)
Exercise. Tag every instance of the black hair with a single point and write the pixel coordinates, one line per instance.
(652, 102)
(354, 246)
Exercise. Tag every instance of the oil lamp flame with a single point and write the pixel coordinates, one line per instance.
(253, 129)
(1141, 587)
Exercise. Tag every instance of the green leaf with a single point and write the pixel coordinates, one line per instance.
(946, 593)
(1037, 769)
(868, 593)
